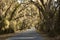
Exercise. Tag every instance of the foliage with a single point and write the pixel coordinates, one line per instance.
(15, 16)
(49, 17)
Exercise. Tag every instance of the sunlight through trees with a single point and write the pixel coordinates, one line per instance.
(23, 14)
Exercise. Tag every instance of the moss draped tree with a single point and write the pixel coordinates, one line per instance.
(13, 15)
(49, 16)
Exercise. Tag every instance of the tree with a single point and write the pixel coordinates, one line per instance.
(14, 14)
(48, 15)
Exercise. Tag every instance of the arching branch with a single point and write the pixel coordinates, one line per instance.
(7, 9)
(21, 11)
(13, 12)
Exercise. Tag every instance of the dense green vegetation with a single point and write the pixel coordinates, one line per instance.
(49, 14)
(41, 14)
(17, 16)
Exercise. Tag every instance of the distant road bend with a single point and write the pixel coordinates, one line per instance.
(29, 34)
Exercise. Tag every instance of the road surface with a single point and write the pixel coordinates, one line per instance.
(29, 34)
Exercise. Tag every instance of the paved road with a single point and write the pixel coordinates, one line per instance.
(29, 34)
